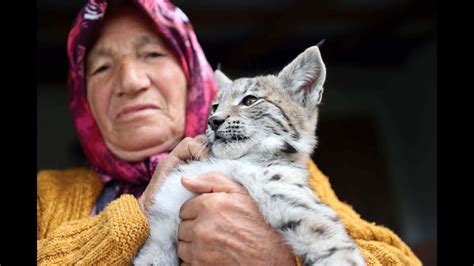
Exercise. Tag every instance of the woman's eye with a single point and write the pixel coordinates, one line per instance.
(153, 55)
(249, 100)
(214, 107)
(100, 69)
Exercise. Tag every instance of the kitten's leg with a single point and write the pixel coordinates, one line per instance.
(310, 227)
(161, 246)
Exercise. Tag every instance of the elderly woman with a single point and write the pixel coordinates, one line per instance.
(139, 91)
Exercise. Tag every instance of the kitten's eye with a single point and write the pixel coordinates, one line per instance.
(249, 100)
(100, 69)
(214, 107)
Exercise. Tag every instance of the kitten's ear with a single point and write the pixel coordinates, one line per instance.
(304, 77)
(222, 80)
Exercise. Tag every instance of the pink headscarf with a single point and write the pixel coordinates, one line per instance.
(176, 31)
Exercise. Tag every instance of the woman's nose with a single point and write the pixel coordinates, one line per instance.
(133, 78)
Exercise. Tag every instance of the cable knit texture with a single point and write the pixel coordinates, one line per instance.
(67, 235)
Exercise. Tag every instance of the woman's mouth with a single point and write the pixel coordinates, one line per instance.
(133, 110)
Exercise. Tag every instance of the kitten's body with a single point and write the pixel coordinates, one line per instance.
(261, 136)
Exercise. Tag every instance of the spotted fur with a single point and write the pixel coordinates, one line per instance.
(261, 134)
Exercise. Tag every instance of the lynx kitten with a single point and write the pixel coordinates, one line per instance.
(261, 134)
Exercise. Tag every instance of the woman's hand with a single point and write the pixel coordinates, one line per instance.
(223, 226)
(188, 148)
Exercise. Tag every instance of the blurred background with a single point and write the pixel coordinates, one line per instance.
(377, 130)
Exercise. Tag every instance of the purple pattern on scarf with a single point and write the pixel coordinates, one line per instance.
(175, 29)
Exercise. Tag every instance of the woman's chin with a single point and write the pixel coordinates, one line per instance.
(142, 147)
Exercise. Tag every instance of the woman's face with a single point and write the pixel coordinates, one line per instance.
(135, 87)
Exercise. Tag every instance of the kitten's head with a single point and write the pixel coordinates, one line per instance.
(268, 114)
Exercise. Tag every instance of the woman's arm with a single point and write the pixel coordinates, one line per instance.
(65, 232)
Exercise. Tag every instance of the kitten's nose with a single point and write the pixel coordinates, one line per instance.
(215, 121)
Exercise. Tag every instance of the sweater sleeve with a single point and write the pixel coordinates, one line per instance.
(111, 238)
(377, 244)
(67, 235)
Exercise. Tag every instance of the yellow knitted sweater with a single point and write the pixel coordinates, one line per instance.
(66, 234)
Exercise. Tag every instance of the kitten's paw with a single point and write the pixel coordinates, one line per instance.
(350, 259)
(336, 258)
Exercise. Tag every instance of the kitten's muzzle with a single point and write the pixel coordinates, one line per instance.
(215, 121)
